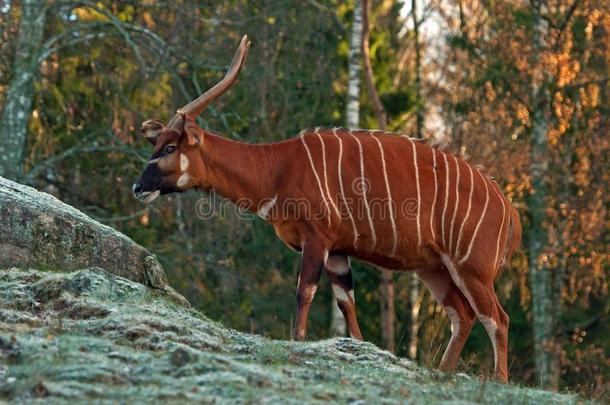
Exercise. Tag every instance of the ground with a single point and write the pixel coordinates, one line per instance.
(89, 335)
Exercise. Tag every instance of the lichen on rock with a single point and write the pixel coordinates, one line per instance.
(91, 336)
(40, 231)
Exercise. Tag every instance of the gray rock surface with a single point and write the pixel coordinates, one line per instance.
(89, 336)
(37, 230)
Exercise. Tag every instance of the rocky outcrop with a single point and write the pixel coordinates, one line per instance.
(37, 230)
(89, 336)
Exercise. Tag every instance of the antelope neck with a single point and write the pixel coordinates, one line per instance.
(241, 172)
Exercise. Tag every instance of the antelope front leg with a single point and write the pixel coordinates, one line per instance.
(312, 262)
(340, 274)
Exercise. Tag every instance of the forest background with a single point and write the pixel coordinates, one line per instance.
(521, 87)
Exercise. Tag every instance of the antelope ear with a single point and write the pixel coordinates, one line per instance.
(151, 130)
(194, 134)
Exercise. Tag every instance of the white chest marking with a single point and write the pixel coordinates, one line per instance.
(264, 210)
(183, 180)
(184, 162)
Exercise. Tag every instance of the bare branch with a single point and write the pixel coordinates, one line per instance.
(82, 147)
(368, 69)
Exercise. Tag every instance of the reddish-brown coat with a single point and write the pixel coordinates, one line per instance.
(449, 222)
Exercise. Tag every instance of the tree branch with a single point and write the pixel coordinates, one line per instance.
(368, 69)
(90, 147)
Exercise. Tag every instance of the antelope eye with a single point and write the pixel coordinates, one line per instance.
(170, 149)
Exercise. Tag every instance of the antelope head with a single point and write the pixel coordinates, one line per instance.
(176, 164)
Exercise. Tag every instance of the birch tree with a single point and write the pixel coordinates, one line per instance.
(414, 301)
(352, 115)
(354, 59)
(386, 285)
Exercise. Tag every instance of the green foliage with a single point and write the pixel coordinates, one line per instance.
(523, 17)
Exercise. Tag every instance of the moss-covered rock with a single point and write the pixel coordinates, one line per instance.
(88, 335)
(37, 230)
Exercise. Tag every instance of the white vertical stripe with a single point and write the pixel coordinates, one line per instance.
(457, 202)
(435, 191)
(332, 201)
(418, 192)
(446, 197)
(501, 226)
(491, 327)
(317, 178)
(457, 246)
(340, 175)
(390, 201)
(454, 317)
(474, 235)
(364, 190)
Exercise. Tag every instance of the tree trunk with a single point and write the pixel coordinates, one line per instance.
(414, 307)
(388, 312)
(18, 106)
(414, 287)
(543, 307)
(382, 118)
(419, 111)
(352, 114)
(353, 83)
(386, 285)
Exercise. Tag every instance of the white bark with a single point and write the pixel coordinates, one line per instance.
(414, 304)
(338, 326)
(354, 58)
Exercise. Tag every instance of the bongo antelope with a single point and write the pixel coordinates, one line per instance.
(398, 203)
